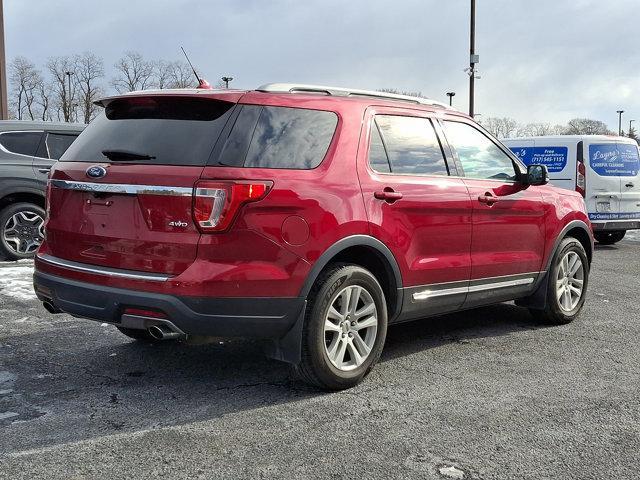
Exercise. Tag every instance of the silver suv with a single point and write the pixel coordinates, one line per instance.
(27, 152)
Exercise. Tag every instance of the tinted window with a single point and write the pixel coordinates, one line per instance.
(480, 157)
(235, 147)
(58, 143)
(412, 145)
(24, 143)
(291, 138)
(377, 154)
(175, 131)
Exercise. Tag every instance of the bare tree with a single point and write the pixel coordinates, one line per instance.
(134, 73)
(586, 126)
(89, 70)
(182, 76)
(501, 127)
(43, 99)
(395, 91)
(62, 70)
(173, 75)
(24, 79)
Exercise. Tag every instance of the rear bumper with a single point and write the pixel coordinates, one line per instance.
(616, 225)
(224, 317)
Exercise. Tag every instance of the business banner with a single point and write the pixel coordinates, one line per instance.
(614, 160)
(555, 158)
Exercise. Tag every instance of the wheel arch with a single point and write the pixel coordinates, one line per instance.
(23, 196)
(370, 253)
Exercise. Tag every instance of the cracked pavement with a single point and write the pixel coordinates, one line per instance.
(487, 394)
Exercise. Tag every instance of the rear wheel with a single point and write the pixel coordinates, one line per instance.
(567, 284)
(21, 230)
(345, 328)
(609, 238)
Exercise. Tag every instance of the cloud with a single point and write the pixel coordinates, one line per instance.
(539, 61)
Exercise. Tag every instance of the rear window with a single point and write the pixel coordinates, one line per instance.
(614, 159)
(24, 143)
(278, 137)
(155, 130)
(58, 143)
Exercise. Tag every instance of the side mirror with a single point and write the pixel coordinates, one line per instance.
(537, 175)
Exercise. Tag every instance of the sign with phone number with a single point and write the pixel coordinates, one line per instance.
(555, 158)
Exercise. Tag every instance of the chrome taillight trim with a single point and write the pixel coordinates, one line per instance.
(107, 271)
(122, 188)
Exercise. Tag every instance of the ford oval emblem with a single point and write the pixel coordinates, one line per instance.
(96, 171)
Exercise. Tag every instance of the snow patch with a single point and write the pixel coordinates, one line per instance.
(451, 472)
(17, 282)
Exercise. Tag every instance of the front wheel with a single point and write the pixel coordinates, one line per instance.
(609, 238)
(567, 284)
(345, 328)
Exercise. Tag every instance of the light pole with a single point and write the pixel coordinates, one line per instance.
(630, 122)
(4, 112)
(451, 95)
(226, 81)
(473, 58)
(68, 74)
(620, 112)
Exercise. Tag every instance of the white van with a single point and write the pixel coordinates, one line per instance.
(604, 169)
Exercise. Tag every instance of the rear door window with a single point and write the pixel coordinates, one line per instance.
(58, 143)
(155, 130)
(23, 143)
(411, 145)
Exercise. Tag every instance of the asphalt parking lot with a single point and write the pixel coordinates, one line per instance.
(481, 394)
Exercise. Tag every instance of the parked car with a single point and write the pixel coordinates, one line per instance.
(27, 152)
(309, 216)
(604, 169)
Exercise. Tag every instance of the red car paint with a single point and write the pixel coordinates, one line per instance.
(438, 228)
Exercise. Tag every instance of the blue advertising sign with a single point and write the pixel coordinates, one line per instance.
(555, 158)
(614, 160)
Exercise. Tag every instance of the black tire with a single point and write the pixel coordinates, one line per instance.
(137, 334)
(553, 313)
(609, 238)
(8, 250)
(315, 367)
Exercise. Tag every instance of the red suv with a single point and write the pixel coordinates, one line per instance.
(310, 216)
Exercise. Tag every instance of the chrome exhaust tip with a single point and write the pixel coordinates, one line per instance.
(162, 332)
(50, 307)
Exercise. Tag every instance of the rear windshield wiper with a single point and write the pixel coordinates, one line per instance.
(125, 155)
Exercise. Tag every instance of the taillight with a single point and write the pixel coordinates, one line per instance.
(581, 179)
(216, 203)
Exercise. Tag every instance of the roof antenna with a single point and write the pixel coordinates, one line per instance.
(202, 83)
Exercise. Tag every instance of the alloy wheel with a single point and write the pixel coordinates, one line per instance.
(350, 327)
(23, 232)
(569, 281)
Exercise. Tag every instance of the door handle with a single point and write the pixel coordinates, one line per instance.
(44, 170)
(487, 199)
(388, 195)
(629, 185)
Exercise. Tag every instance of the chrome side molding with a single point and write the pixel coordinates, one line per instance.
(478, 285)
(122, 188)
(107, 271)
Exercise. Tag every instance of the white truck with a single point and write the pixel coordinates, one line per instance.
(604, 169)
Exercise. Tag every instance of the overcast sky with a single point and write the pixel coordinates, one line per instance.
(542, 60)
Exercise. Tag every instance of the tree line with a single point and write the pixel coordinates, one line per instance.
(66, 87)
(506, 127)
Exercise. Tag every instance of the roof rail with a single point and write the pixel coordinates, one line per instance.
(345, 92)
